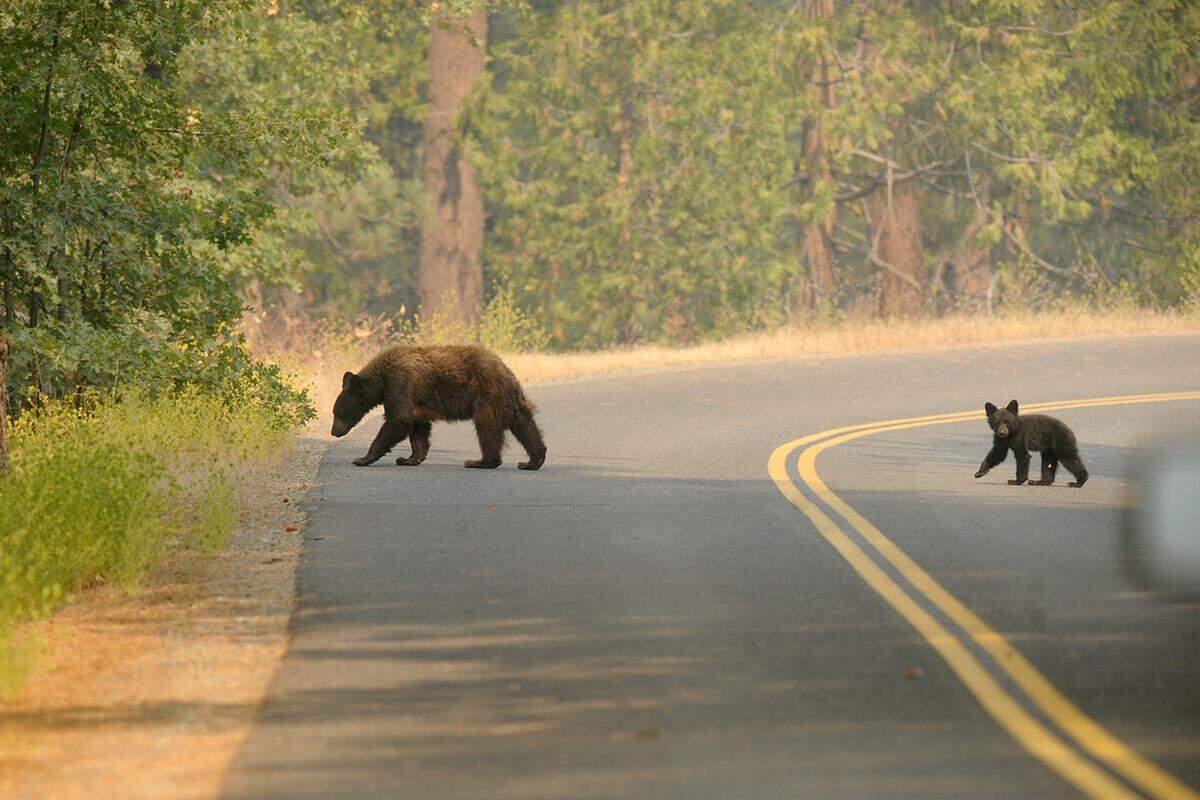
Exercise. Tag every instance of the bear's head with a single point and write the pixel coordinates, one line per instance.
(1004, 421)
(351, 405)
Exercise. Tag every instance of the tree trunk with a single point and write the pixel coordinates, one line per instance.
(10, 316)
(450, 278)
(818, 237)
(972, 269)
(629, 331)
(3, 403)
(897, 252)
(35, 297)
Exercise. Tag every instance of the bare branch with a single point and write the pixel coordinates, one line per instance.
(885, 266)
(1036, 29)
(1008, 234)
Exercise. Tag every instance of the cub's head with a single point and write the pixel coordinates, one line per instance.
(1004, 421)
(351, 405)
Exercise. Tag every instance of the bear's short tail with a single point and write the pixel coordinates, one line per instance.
(525, 403)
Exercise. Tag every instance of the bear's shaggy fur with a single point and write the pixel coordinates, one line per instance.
(420, 385)
(1037, 432)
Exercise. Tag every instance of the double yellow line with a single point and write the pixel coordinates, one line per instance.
(1059, 750)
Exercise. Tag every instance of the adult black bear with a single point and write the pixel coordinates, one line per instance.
(1047, 435)
(422, 385)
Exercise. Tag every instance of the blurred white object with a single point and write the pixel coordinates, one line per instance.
(1168, 521)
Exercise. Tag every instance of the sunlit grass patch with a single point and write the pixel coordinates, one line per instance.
(99, 489)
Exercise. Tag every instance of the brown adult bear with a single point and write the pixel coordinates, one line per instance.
(422, 385)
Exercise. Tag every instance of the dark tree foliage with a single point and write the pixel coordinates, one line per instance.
(111, 251)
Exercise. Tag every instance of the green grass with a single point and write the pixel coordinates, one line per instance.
(99, 490)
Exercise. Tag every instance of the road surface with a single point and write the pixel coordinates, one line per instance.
(662, 613)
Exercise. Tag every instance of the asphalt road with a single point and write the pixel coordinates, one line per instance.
(650, 616)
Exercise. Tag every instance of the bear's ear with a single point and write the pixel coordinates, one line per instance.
(1012, 407)
(989, 409)
(349, 379)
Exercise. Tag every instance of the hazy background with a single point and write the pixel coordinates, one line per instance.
(583, 174)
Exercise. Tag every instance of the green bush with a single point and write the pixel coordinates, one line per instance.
(100, 488)
(62, 359)
(500, 325)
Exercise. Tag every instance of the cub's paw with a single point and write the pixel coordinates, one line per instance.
(981, 473)
(1077, 484)
(1040, 483)
(471, 464)
(364, 461)
(1016, 482)
(409, 461)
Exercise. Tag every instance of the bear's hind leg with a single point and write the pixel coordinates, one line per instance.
(527, 433)
(419, 439)
(491, 443)
(1049, 468)
(1075, 466)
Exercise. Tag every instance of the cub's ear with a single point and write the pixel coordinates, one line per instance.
(989, 409)
(1012, 407)
(349, 379)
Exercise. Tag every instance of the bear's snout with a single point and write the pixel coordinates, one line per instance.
(339, 429)
(1001, 429)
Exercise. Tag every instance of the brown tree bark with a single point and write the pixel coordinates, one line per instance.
(35, 297)
(10, 313)
(971, 265)
(897, 252)
(818, 237)
(4, 346)
(450, 276)
(629, 331)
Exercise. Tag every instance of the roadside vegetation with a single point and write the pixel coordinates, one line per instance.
(101, 486)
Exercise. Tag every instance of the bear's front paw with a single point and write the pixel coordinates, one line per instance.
(981, 473)
(1016, 482)
(364, 461)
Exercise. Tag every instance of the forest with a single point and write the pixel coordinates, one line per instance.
(646, 171)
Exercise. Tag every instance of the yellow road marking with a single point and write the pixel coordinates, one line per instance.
(1031, 734)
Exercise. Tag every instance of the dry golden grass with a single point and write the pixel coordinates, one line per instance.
(319, 355)
(857, 337)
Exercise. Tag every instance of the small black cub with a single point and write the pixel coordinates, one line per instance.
(1047, 435)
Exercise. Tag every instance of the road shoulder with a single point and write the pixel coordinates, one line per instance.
(149, 694)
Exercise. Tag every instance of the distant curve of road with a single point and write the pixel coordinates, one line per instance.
(694, 600)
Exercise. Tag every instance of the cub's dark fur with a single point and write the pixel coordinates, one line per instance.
(418, 386)
(1025, 432)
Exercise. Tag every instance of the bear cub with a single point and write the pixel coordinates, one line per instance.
(1046, 435)
(420, 385)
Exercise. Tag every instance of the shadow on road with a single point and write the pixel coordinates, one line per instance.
(599, 632)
